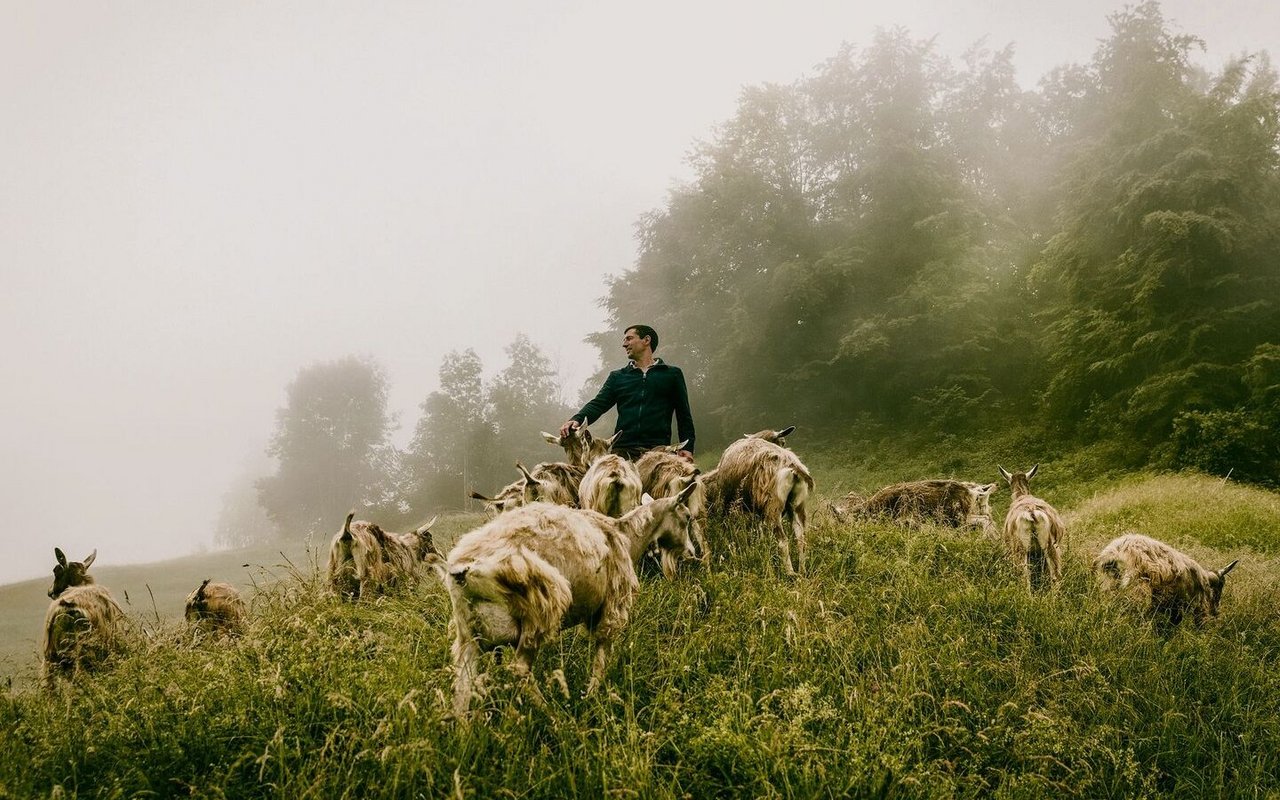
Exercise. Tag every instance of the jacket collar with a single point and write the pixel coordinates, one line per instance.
(657, 362)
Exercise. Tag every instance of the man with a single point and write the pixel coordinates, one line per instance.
(647, 392)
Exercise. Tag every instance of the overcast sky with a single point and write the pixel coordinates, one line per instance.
(198, 199)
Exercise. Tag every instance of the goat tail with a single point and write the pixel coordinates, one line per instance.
(791, 489)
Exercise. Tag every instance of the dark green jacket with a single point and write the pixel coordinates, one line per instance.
(645, 403)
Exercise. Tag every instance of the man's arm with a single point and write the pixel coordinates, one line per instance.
(602, 402)
(684, 417)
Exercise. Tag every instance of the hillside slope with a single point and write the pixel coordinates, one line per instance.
(906, 663)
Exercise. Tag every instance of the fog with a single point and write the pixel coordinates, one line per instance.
(198, 199)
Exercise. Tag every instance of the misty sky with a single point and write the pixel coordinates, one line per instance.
(198, 199)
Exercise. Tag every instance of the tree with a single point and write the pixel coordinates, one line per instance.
(243, 521)
(454, 440)
(524, 399)
(328, 440)
(1161, 284)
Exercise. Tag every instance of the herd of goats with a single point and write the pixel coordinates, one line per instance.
(567, 538)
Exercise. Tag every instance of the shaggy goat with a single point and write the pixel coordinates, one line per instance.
(761, 477)
(217, 607)
(82, 624)
(524, 576)
(509, 497)
(1033, 530)
(773, 437)
(611, 485)
(941, 502)
(550, 481)
(665, 474)
(364, 558)
(1178, 584)
(580, 446)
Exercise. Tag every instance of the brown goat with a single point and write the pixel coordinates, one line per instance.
(580, 446)
(82, 626)
(364, 558)
(216, 607)
(1178, 584)
(1033, 529)
(951, 503)
(765, 479)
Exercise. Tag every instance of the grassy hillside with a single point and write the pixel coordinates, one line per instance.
(906, 664)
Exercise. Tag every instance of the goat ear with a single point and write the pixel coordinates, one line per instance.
(58, 554)
(991, 487)
(551, 438)
(646, 499)
(1031, 473)
(89, 560)
(787, 431)
(683, 497)
(1004, 473)
(1222, 573)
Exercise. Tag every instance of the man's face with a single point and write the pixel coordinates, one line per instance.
(633, 344)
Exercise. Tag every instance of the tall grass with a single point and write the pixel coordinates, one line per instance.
(905, 664)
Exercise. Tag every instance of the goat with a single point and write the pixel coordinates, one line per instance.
(1033, 529)
(665, 474)
(611, 485)
(580, 446)
(531, 572)
(764, 478)
(941, 502)
(509, 497)
(217, 607)
(550, 481)
(1178, 584)
(364, 558)
(771, 436)
(82, 624)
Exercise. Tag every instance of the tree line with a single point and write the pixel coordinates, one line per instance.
(333, 451)
(899, 242)
(898, 245)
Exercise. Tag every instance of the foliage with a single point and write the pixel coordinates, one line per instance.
(329, 441)
(898, 239)
(472, 431)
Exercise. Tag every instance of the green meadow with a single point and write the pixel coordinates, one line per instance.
(905, 663)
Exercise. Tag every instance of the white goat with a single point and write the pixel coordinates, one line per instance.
(364, 558)
(764, 478)
(524, 576)
(217, 607)
(1178, 584)
(1033, 529)
(665, 474)
(611, 485)
(82, 626)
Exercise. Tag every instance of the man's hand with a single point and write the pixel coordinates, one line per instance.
(686, 455)
(571, 425)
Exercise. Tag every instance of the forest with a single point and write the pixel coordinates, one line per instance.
(900, 249)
